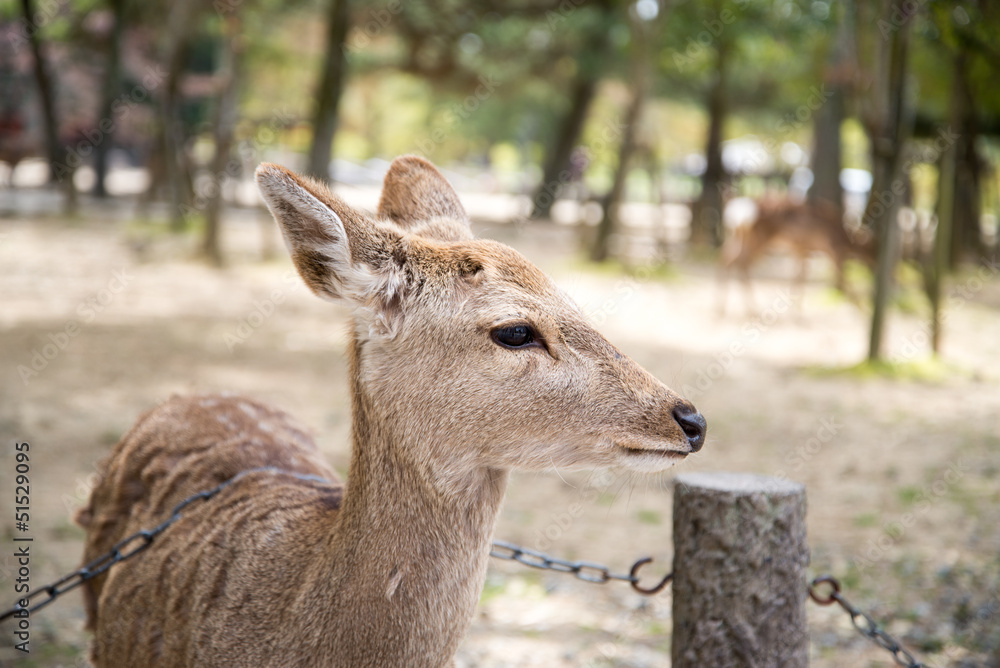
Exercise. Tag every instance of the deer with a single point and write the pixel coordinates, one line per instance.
(465, 362)
(803, 228)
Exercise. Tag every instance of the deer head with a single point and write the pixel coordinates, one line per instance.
(463, 350)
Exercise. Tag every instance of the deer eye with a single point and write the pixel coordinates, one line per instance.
(514, 336)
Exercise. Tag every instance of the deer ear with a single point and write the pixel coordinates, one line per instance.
(416, 192)
(339, 252)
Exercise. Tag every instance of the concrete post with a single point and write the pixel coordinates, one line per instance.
(739, 588)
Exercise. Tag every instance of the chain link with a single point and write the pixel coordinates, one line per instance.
(862, 621)
(124, 549)
(583, 570)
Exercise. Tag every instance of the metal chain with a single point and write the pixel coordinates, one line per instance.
(584, 570)
(143, 539)
(124, 549)
(866, 626)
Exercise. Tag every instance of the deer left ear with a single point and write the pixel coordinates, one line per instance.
(415, 192)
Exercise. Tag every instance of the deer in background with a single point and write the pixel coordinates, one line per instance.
(466, 361)
(802, 228)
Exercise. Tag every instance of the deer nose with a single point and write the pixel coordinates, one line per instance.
(693, 425)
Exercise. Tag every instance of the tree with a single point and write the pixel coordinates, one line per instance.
(582, 88)
(941, 260)
(224, 129)
(640, 29)
(826, 154)
(733, 56)
(46, 94)
(706, 214)
(328, 91)
(969, 29)
(884, 119)
(184, 14)
(110, 91)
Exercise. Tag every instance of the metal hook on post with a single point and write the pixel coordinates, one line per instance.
(634, 573)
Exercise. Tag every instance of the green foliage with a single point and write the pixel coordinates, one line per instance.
(865, 520)
(926, 370)
(649, 517)
(455, 80)
(613, 268)
(908, 495)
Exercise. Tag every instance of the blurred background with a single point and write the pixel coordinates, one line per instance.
(838, 158)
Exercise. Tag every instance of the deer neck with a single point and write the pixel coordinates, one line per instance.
(408, 558)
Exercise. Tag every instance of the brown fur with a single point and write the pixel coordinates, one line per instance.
(284, 570)
(802, 228)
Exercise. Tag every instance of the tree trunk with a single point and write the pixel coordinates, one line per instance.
(226, 117)
(590, 63)
(601, 248)
(886, 129)
(176, 169)
(942, 243)
(827, 154)
(826, 158)
(947, 208)
(740, 557)
(706, 218)
(331, 85)
(966, 235)
(557, 167)
(112, 86)
(46, 95)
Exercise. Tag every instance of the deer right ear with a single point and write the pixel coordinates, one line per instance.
(314, 232)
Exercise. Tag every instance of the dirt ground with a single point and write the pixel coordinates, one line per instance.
(902, 470)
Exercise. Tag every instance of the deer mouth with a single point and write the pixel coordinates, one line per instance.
(638, 452)
(659, 452)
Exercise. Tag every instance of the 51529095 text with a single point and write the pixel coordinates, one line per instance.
(22, 541)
